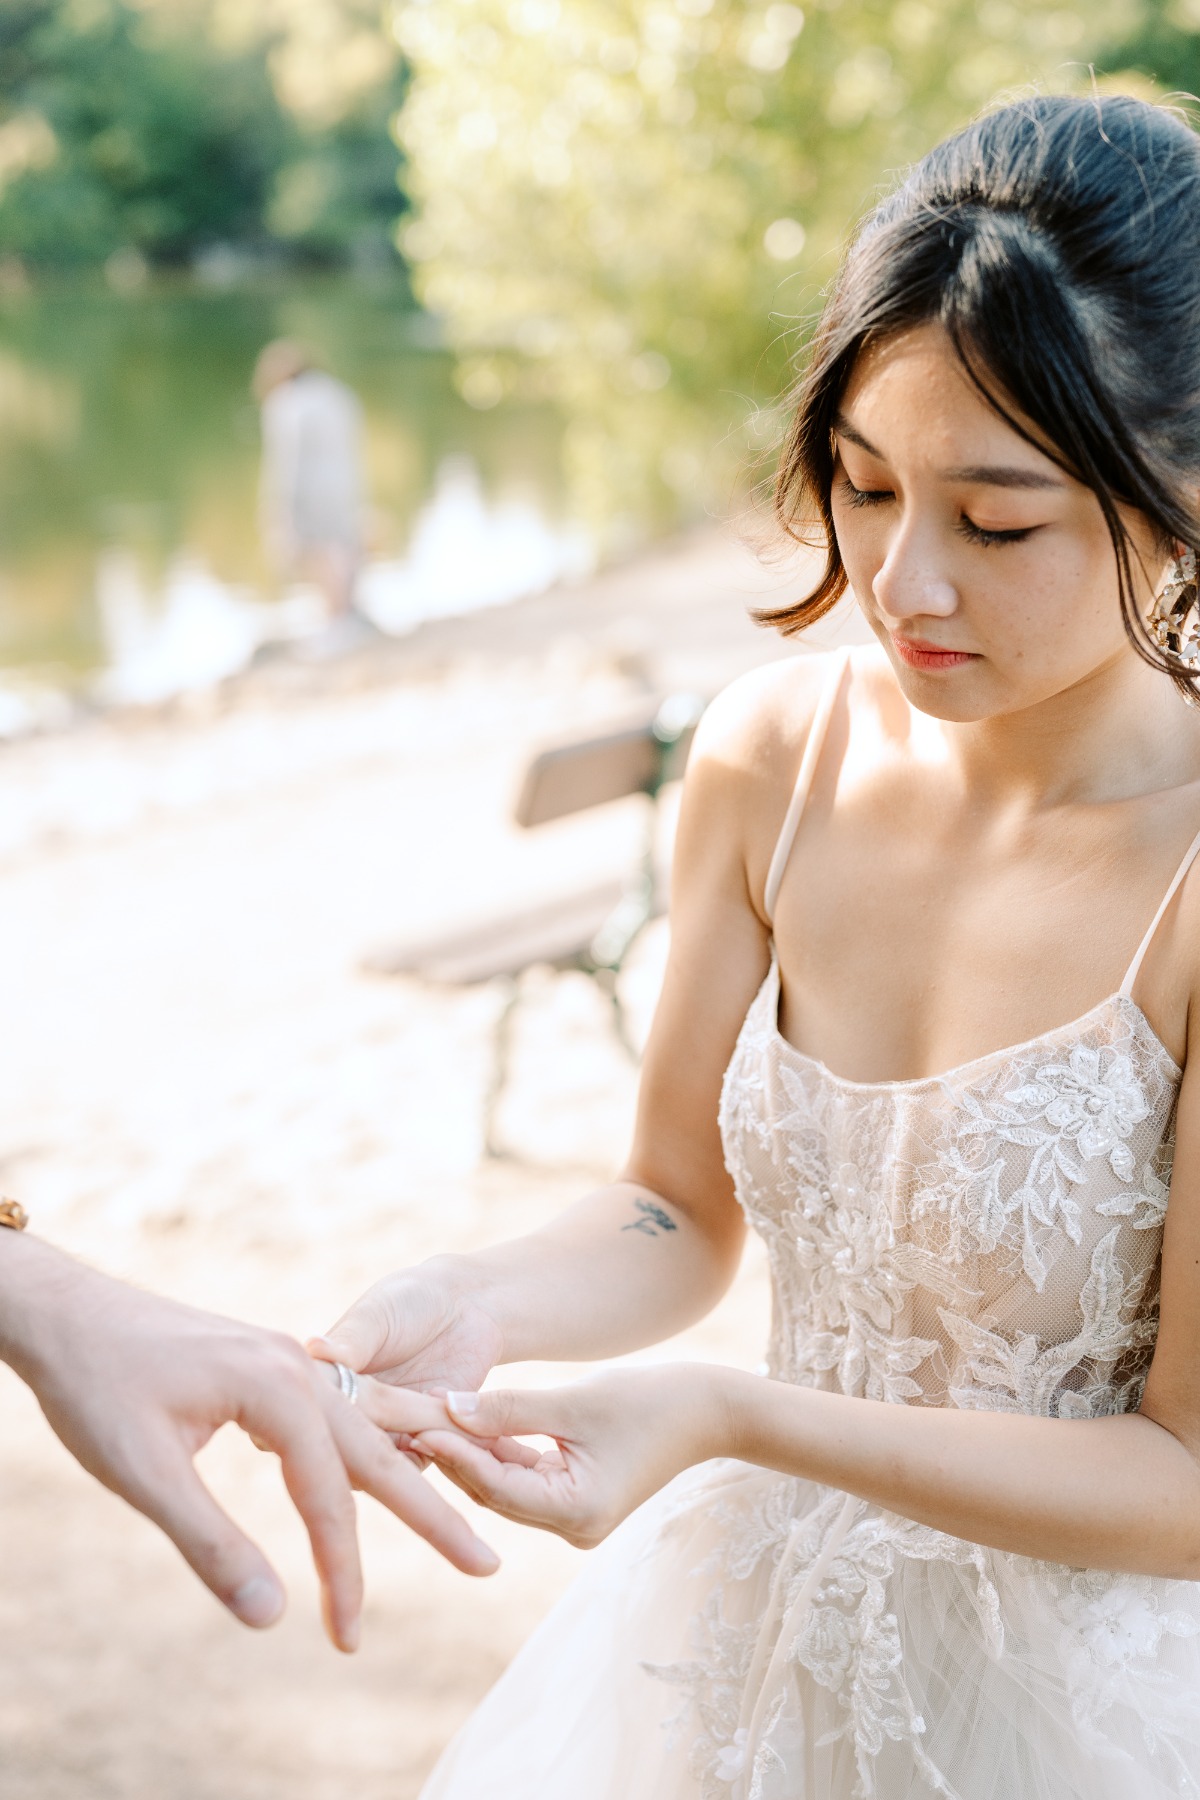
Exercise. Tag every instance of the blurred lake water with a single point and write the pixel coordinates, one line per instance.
(129, 463)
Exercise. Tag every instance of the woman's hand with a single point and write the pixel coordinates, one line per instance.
(618, 1438)
(421, 1328)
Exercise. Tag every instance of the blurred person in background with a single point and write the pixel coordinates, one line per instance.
(311, 499)
(135, 1385)
(926, 1026)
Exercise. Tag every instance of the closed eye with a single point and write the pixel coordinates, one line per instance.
(976, 534)
(856, 496)
(967, 528)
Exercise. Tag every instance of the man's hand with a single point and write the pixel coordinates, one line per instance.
(135, 1385)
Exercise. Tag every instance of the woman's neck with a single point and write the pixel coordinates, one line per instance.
(1121, 732)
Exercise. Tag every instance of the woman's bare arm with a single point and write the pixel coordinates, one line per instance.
(639, 1259)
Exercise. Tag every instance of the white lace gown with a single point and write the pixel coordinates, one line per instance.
(988, 1238)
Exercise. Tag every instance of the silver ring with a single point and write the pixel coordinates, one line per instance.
(347, 1382)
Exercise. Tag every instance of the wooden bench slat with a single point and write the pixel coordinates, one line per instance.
(558, 933)
(585, 772)
(572, 778)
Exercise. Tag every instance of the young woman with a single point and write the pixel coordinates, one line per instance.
(951, 1545)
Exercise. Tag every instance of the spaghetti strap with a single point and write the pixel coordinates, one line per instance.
(1189, 857)
(804, 778)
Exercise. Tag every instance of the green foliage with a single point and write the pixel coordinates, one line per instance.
(1161, 42)
(118, 140)
(630, 206)
(121, 130)
(338, 199)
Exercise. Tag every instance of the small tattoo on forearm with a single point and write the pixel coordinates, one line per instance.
(652, 1221)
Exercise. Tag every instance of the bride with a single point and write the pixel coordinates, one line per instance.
(951, 1544)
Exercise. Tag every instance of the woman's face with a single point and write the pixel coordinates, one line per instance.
(986, 573)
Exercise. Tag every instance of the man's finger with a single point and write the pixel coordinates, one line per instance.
(222, 1556)
(505, 1413)
(401, 1411)
(382, 1471)
(296, 1429)
(404, 1413)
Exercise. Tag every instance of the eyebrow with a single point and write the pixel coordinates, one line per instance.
(999, 475)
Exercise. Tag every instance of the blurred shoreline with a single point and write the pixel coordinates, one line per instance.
(188, 633)
(674, 618)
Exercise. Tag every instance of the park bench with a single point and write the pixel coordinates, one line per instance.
(592, 930)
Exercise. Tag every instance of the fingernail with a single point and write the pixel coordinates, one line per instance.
(318, 1346)
(464, 1404)
(259, 1602)
(488, 1560)
(351, 1634)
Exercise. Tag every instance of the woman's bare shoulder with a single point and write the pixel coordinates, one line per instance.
(743, 766)
(758, 725)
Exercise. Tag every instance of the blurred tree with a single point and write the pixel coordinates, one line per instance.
(630, 205)
(122, 139)
(1160, 42)
(337, 70)
(338, 198)
(145, 133)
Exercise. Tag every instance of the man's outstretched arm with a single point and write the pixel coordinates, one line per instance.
(135, 1385)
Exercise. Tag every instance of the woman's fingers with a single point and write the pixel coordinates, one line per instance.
(406, 1414)
(512, 1450)
(504, 1449)
(529, 1493)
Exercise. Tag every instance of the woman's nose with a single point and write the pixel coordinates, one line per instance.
(909, 583)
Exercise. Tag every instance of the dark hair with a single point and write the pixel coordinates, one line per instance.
(1057, 241)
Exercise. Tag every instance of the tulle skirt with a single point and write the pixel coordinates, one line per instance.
(749, 1636)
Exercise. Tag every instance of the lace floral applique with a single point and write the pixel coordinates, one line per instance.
(840, 1630)
(1063, 1114)
(1001, 1374)
(1091, 1101)
(851, 1643)
(1146, 1208)
(856, 1280)
(1112, 1633)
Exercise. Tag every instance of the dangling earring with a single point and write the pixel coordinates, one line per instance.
(1168, 622)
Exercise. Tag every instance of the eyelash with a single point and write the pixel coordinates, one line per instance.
(974, 534)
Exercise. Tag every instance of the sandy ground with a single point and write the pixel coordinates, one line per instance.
(200, 1090)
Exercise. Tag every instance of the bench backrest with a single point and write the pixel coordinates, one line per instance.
(637, 758)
